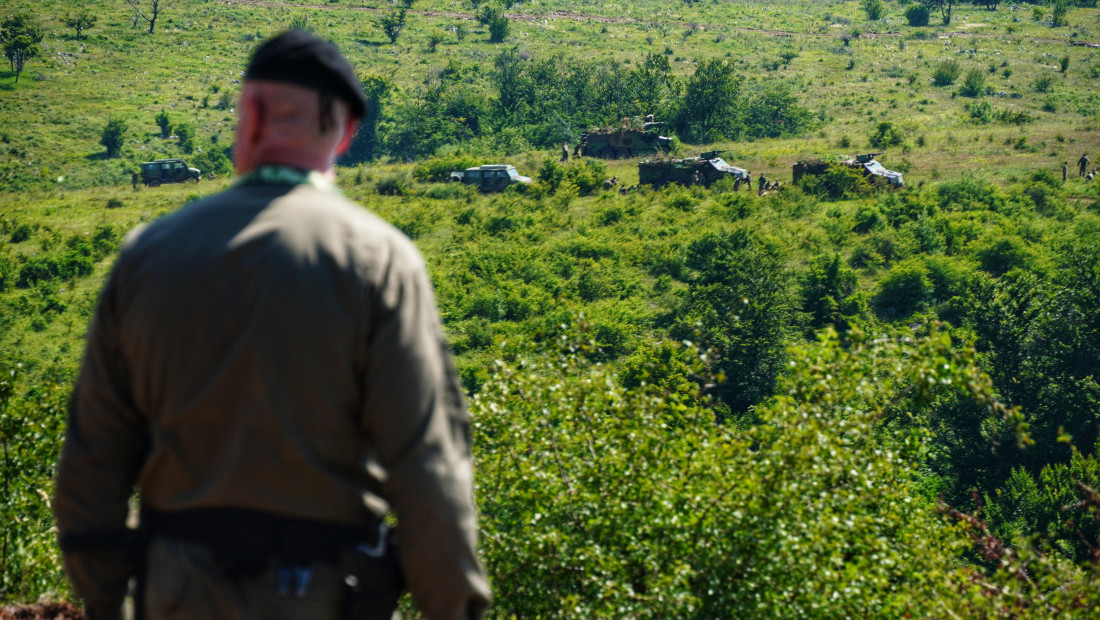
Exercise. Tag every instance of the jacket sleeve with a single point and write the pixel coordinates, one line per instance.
(105, 443)
(415, 418)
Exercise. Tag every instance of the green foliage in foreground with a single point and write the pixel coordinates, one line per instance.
(599, 501)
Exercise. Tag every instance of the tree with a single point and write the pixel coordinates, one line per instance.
(150, 10)
(392, 23)
(114, 136)
(943, 6)
(365, 145)
(738, 304)
(20, 36)
(164, 123)
(710, 107)
(81, 21)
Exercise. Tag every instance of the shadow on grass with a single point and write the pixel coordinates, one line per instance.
(102, 156)
(371, 43)
(7, 80)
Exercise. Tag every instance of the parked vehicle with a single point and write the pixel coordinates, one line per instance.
(625, 141)
(153, 173)
(702, 170)
(489, 177)
(865, 163)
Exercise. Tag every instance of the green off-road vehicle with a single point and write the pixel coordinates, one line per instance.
(153, 173)
(489, 177)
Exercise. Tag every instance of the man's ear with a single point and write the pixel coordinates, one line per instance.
(252, 120)
(350, 127)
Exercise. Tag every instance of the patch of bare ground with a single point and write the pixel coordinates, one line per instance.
(42, 611)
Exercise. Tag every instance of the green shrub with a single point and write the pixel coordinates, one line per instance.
(114, 137)
(905, 290)
(828, 294)
(874, 9)
(1044, 83)
(593, 497)
(837, 182)
(968, 194)
(21, 233)
(981, 112)
(499, 28)
(186, 134)
(1004, 253)
(974, 84)
(917, 15)
(886, 135)
(392, 185)
(37, 269)
(946, 73)
(438, 169)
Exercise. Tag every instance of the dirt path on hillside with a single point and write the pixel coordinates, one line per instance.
(582, 17)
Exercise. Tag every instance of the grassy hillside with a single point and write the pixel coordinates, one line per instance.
(766, 467)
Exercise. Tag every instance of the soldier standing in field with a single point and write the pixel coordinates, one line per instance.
(1083, 164)
(268, 368)
(1065, 170)
(564, 152)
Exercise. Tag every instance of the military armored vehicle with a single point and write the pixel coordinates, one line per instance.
(866, 163)
(702, 170)
(624, 141)
(153, 173)
(489, 177)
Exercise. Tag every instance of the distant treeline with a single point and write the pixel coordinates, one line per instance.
(525, 102)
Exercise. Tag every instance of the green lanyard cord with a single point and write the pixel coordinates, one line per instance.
(287, 175)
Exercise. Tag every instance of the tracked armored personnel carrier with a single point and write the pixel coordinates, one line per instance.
(702, 170)
(624, 141)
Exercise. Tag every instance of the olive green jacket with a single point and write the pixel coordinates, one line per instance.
(274, 347)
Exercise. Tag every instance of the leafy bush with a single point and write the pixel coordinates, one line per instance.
(905, 290)
(438, 169)
(1004, 253)
(829, 294)
(1044, 83)
(594, 497)
(917, 15)
(113, 137)
(874, 9)
(837, 182)
(969, 193)
(946, 73)
(974, 84)
(499, 27)
(739, 303)
(886, 134)
(980, 112)
(392, 185)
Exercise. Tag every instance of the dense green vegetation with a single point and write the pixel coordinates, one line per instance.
(829, 400)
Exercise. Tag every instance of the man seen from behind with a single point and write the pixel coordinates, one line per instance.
(267, 368)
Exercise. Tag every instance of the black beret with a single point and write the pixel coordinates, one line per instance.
(299, 58)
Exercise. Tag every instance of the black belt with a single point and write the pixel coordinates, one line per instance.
(244, 541)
